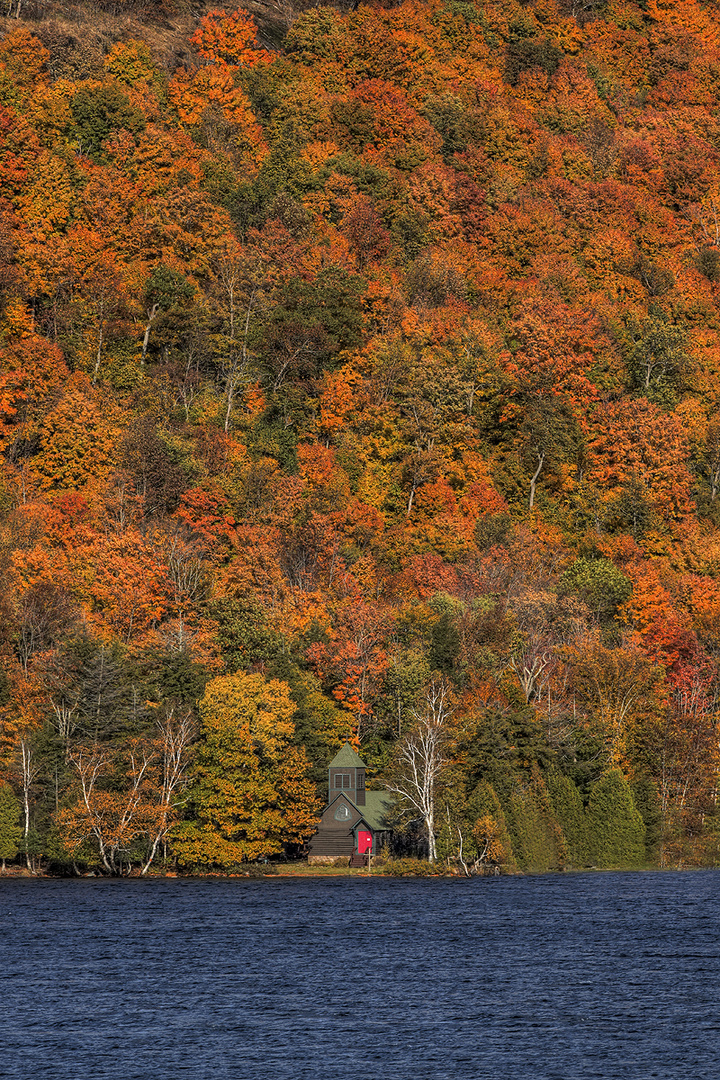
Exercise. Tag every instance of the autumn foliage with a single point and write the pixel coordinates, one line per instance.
(339, 361)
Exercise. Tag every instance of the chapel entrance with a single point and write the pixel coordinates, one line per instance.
(365, 840)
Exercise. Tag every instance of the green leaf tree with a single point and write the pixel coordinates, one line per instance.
(490, 834)
(99, 112)
(657, 355)
(167, 299)
(550, 437)
(600, 584)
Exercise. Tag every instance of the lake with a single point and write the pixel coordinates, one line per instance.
(565, 976)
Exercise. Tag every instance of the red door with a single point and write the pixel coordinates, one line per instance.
(364, 841)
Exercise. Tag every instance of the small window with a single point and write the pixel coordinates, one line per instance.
(360, 781)
(342, 780)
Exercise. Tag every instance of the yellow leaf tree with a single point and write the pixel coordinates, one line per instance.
(250, 793)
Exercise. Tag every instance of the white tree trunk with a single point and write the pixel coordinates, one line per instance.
(29, 771)
(533, 482)
(152, 314)
(176, 736)
(421, 759)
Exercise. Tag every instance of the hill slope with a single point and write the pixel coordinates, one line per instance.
(376, 354)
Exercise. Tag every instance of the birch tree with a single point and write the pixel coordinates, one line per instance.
(29, 769)
(127, 797)
(240, 284)
(176, 734)
(421, 758)
(112, 819)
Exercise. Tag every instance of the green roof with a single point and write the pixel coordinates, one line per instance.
(346, 758)
(375, 810)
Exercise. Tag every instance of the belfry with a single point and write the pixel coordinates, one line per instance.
(353, 823)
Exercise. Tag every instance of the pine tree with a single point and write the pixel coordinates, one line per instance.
(647, 800)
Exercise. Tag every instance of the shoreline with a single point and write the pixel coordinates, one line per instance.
(303, 871)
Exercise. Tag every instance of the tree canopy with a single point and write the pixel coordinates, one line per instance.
(343, 356)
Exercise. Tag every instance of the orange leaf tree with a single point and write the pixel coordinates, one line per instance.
(229, 39)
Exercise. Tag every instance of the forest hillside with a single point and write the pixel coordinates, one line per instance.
(359, 374)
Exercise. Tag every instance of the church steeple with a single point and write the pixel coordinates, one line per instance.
(346, 774)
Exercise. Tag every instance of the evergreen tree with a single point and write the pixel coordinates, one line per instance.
(616, 832)
(570, 812)
(243, 633)
(10, 831)
(95, 682)
(536, 835)
(647, 801)
(472, 830)
(485, 806)
(320, 727)
(445, 644)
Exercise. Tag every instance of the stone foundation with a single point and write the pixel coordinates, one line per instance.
(328, 860)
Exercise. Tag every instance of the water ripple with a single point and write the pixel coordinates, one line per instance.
(541, 978)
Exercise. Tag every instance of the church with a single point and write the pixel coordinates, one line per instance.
(353, 823)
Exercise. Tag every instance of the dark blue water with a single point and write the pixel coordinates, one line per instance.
(589, 975)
